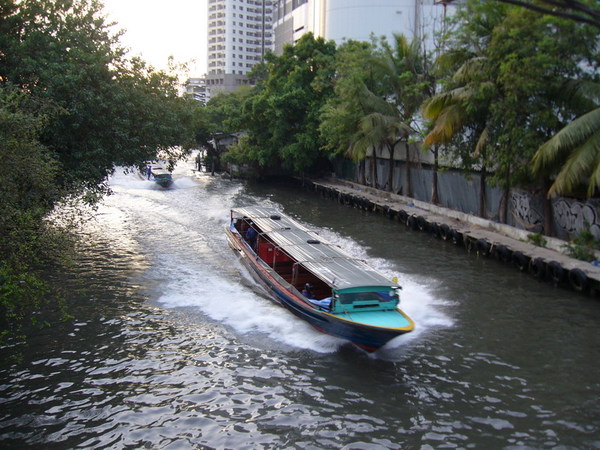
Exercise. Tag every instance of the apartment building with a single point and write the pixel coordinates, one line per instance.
(239, 34)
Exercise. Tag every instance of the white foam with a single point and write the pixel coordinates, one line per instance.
(182, 234)
(230, 302)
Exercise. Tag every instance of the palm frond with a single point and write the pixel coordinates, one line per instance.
(583, 163)
(559, 147)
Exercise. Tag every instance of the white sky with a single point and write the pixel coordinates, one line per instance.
(157, 29)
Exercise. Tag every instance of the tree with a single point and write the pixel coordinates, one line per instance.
(341, 115)
(573, 151)
(404, 73)
(460, 115)
(115, 111)
(579, 11)
(71, 108)
(27, 192)
(289, 101)
(221, 118)
(378, 93)
(505, 95)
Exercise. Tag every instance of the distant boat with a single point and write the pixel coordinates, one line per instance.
(160, 176)
(314, 279)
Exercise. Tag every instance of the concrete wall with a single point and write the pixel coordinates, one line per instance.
(459, 190)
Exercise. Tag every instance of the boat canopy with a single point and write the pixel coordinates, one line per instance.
(323, 259)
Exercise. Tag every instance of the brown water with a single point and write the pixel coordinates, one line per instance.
(173, 346)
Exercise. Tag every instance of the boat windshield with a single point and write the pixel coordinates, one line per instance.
(379, 296)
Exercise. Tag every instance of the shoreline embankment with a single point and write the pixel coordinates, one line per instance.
(487, 238)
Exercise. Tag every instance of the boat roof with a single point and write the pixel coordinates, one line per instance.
(325, 260)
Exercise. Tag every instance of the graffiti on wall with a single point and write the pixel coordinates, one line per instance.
(525, 213)
(574, 216)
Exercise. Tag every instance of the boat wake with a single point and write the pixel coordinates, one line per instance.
(191, 267)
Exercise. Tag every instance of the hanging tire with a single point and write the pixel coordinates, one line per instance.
(579, 280)
(483, 247)
(435, 229)
(469, 244)
(537, 267)
(520, 260)
(503, 253)
(402, 216)
(556, 271)
(421, 223)
(457, 237)
(412, 223)
(445, 232)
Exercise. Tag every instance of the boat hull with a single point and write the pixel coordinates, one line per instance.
(164, 183)
(370, 338)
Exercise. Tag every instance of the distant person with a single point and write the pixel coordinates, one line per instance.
(149, 171)
(250, 236)
(307, 291)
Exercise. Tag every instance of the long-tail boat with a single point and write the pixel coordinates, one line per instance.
(335, 292)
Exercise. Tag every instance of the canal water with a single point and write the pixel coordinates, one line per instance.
(172, 345)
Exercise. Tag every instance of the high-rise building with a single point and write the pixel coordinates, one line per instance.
(342, 20)
(239, 34)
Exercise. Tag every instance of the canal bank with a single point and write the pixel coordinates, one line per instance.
(486, 238)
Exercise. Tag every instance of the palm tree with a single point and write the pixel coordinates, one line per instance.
(464, 106)
(391, 105)
(575, 150)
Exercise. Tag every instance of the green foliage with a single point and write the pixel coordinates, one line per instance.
(71, 108)
(341, 114)
(506, 68)
(27, 192)
(537, 239)
(583, 246)
(116, 112)
(573, 152)
(281, 115)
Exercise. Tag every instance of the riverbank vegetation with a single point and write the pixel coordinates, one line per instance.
(72, 107)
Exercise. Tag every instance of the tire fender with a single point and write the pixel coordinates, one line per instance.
(520, 260)
(445, 232)
(537, 267)
(579, 280)
(483, 247)
(556, 271)
(412, 222)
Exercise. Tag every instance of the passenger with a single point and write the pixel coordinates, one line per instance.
(250, 236)
(307, 291)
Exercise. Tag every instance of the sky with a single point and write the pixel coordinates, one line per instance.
(156, 29)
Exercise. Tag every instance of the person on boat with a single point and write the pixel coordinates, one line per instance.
(251, 236)
(307, 291)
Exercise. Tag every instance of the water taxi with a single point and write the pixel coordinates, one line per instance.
(162, 177)
(316, 280)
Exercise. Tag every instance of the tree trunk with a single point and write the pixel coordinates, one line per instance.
(434, 182)
(482, 186)
(361, 173)
(409, 191)
(548, 211)
(390, 181)
(374, 169)
(504, 202)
